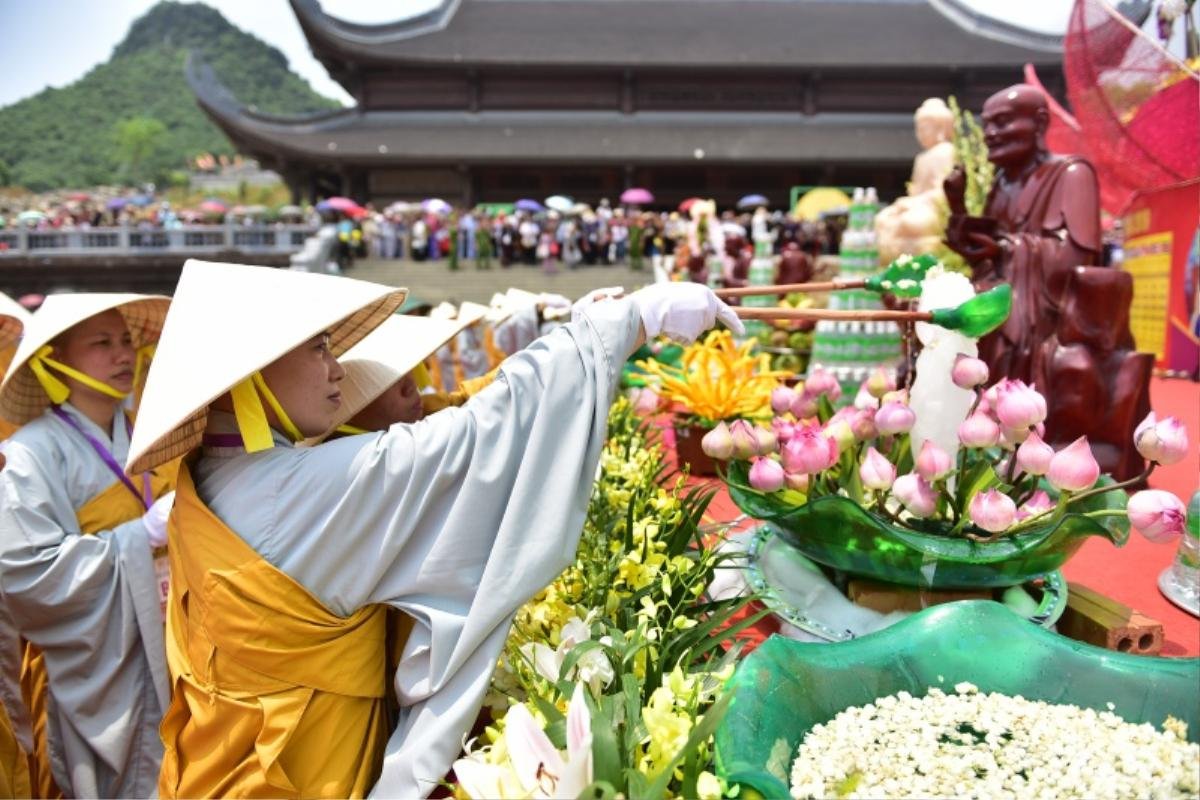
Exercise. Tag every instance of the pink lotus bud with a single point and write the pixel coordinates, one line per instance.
(745, 441)
(805, 406)
(992, 511)
(766, 475)
(782, 398)
(810, 450)
(876, 472)
(915, 494)
(881, 382)
(1034, 455)
(1039, 503)
(1074, 468)
(819, 382)
(840, 432)
(1159, 515)
(797, 481)
(892, 418)
(933, 463)
(767, 443)
(1019, 407)
(978, 430)
(718, 443)
(1164, 441)
(644, 400)
(968, 372)
(863, 425)
(783, 429)
(898, 396)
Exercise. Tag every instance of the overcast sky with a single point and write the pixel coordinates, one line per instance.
(54, 42)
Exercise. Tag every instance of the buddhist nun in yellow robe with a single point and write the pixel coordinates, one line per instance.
(285, 560)
(78, 578)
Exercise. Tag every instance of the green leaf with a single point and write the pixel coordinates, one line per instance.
(606, 751)
(979, 477)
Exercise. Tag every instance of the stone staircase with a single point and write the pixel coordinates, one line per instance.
(433, 282)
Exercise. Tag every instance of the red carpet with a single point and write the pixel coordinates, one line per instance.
(1128, 574)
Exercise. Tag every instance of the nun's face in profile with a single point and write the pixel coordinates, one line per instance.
(401, 402)
(306, 383)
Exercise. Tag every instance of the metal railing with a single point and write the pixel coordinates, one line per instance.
(132, 241)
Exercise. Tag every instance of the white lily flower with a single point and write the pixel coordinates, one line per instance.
(536, 769)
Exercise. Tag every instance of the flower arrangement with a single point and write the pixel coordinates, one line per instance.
(717, 379)
(610, 677)
(871, 469)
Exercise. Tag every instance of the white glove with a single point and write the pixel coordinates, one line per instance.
(594, 296)
(682, 311)
(155, 520)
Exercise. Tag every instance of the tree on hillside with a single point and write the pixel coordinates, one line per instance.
(139, 141)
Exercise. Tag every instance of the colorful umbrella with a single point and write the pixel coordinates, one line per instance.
(816, 202)
(686, 205)
(290, 211)
(753, 201)
(32, 215)
(636, 196)
(79, 197)
(435, 205)
(116, 204)
(141, 200)
(342, 204)
(211, 206)
(527, 204)
(559, 202)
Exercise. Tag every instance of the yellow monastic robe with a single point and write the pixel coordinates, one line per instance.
(272, 695)
(105, 511)
(14, 766)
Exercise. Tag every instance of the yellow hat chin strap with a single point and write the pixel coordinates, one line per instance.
(421, 376)
(252, 417)
(56, 390)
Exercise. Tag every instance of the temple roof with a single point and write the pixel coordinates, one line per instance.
(596, 137)
(721, 34)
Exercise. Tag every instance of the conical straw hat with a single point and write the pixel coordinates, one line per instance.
(22, 398)
(389, 353)
(474, 311)
(228, 321)
(13, 318)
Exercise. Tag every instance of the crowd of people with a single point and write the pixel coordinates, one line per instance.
(580, 237)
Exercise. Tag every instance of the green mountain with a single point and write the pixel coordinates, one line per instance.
(134, 117)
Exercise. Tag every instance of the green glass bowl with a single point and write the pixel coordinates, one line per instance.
(784, 688)
(839, 533)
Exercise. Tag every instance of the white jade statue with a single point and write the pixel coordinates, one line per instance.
(940, 406)
(913, 224)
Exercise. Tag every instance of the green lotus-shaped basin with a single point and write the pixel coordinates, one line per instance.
(784, 688)
(836, 531)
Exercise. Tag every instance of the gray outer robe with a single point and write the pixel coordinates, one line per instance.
(456, 520)
(90, 603)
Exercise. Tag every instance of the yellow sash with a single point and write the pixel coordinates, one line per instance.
(436, 401)
(272, 695)
(105, 511)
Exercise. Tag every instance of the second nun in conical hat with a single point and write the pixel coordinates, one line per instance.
(385, 375)
(285, 560)
(77, 550)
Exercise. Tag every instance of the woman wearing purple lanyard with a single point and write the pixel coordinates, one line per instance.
(81, 618)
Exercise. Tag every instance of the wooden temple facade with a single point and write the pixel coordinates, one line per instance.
(491, 100)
